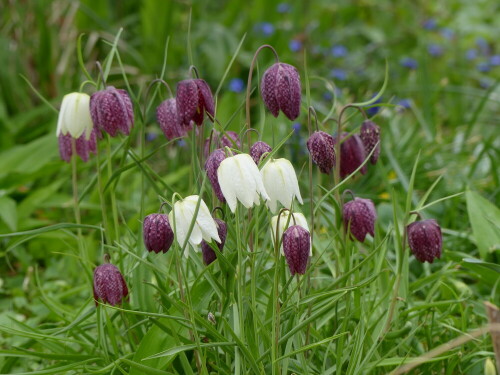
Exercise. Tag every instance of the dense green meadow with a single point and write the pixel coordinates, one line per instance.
(427, 72)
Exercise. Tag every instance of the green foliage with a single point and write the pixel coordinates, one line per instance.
(361, 308)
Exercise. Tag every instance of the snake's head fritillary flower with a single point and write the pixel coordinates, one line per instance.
(211, 166)
(359, 216)
(109, 285)
(370, 136)
(112, 111)
(296, 245)
(166, 115)
(280, 90)
(425, 240)
(240, 180)
(286, 220)
(194, 98)
(258, 149)
(352, 154)
(75, 123)
(209, 254)
(280, 182)
(322, 150)
(158, 235)
(183, 213)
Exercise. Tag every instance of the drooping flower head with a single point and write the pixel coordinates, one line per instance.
(258, 149)
(204, 225)
(280, 182)
(370, 136)
(193, 99)
(157, 233)
(166, 115)
(240, 179)
(209, 254)
(296, 245)
(322, 149)
(425, 240)
(112, 111)
(280, 90)
(352, 154)
(75, 123)
(211, 166)
(109, 285)
(359, 216)
(286, 220)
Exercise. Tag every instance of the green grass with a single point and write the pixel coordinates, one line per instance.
(440, 156)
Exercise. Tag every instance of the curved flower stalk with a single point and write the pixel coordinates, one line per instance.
(74, 122)
(285, 222)
(240, 180)
(204, 227)
(112, 111)
(280, 182)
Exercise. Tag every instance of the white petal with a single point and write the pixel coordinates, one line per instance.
(225, 174)
(61, 125)
(243, 183)
(77, 114)
(206, 223)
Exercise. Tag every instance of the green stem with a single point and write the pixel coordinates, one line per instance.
(240, 277)
(276, 316)
(112, 193)
(100, 188)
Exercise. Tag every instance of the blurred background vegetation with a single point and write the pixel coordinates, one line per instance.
(444, 66)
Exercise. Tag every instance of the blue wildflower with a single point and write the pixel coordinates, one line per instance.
(435, 50)
(495, 60)
(471, 54)
(430, 24)
(150, 136)
(374, 110)
(447, 33)
(408, 62)
(405, 103)
(339, 51)
(338, 74)
(266, 28)
(483, 46)
(483, 67)
(327, 95)
(236, 85)
(283, 8)
(296, 127)
(295, 45)
(181, 143)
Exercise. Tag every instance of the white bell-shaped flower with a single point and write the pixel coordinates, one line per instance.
(280, 182)
(204, 226)
(239, 179)
(286, 221)
(74, 116)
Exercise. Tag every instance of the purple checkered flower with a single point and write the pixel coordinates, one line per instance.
(109, 285)
(425, 240)
(157, 233)
(111, 110)
(193, 99)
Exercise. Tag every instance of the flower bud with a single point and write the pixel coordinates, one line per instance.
(194, 98)
(321, 148)
(112, 111)
(209, 254)
(109, 285)
(359, 216)
(211, 166)
(296, 245)
(280, 90)
(158, 235)
(166, 115)
(258, 149)
(352, 154)
(370, 136)
(425, 240)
